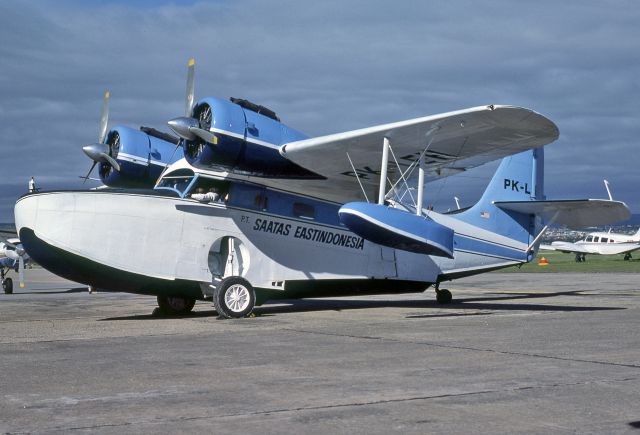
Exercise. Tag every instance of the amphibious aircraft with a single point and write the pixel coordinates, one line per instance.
(601, 243)
(12, 256)
(294, 217)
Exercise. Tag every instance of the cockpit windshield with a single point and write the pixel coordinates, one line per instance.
(177, 180)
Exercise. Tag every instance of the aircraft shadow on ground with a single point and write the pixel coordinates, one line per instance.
(486, 304)
(55, 291)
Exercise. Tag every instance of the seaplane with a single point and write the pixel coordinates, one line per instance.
(12, 256)
(257, 211)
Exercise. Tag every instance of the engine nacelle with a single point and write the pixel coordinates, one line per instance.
(240, 139)
(141, 157)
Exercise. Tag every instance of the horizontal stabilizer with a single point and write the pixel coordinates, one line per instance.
(573, 213)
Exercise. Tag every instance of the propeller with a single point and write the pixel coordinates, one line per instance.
(103, 152)
(20, 253)
(188, 127)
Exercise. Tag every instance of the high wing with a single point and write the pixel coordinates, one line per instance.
(594, 248)
(454, 142)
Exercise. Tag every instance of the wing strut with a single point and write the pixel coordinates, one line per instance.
(420, 185)
(357, 177)
(402, 178)
(383, 170)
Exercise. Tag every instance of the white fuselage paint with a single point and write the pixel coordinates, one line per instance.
(170, 238)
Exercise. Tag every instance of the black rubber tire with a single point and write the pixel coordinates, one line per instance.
(173, 305)
(444, 296)
(221, 303)
(7, 286)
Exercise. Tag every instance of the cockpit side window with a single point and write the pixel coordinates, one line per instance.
(589, 239)
(178, 180)
(205, 185)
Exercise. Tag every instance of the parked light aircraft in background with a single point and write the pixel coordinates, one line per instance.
(12, 256)
(295, 218)
(601, 243)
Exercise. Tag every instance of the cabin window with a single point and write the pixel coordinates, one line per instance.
(589, 239)
(261, 201)
(604, 240)
(304, 211)
(248, 196)
(596, 239)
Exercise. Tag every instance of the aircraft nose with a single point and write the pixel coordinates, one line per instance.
(25, 212)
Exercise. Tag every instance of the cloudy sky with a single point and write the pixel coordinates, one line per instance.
(324, 67)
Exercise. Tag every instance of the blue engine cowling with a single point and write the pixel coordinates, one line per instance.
(141, 157)
(245, 141)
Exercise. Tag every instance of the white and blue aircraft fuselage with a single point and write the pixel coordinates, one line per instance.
(295, 218)
(264, 243)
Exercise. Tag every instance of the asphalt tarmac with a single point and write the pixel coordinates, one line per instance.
(517, 353)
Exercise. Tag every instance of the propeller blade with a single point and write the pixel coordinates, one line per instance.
(104, 118)
(111, 161)
(190, 87)
(204, 135)
(21, 271)
(89, 173)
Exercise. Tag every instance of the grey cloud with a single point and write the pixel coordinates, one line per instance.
(324, 67)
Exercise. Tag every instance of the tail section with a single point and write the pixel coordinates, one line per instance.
(519, 178)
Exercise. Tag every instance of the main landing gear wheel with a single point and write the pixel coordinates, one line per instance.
(443, 296)
(234, 298)
(627, 256)
(173, 305)
(7, 286)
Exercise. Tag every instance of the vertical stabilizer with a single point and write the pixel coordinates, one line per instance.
(519, 178)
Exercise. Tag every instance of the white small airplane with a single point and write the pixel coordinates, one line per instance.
(296, 220)
(12, 256)
(601, 243)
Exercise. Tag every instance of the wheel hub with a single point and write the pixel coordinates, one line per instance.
(237, 298)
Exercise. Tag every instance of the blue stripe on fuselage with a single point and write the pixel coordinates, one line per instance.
(484, 247)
